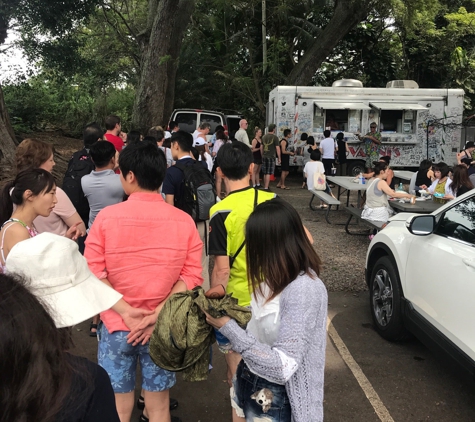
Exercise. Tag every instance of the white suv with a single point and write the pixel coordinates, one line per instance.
(420, 270)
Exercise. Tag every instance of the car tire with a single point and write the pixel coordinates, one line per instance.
(385, 298)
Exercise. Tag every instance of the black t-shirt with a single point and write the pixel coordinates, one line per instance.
(173, 183)
(461, 190)
(341, 151)
(91, 398)
(422, 179)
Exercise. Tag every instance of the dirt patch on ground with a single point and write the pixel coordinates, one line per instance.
(64, 147)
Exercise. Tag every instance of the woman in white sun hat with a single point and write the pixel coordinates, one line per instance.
(47, 287)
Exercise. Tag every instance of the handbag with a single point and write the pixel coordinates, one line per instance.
(319, 181)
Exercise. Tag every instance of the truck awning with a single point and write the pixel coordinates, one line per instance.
(398, 106)
(343, 105)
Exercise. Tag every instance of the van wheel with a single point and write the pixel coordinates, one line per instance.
(386, 301)
(356, 167)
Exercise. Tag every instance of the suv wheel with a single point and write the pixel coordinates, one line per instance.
(386, 300)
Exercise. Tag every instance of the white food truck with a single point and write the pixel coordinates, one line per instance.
(414, 123)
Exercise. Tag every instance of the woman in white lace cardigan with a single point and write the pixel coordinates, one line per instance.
(283, 348)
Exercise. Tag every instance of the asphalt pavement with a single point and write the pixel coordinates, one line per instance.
(366, 378)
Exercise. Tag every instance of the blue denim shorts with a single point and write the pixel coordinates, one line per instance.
(119, 359)
(260, 399)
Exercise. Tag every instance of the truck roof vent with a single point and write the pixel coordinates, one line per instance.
(402, 84)
(348, 83)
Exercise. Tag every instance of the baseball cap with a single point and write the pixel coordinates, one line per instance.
(199, 142)
(60, 277)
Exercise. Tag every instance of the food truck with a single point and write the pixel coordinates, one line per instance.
(415, 123)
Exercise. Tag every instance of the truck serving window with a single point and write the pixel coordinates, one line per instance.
(398, 121)
(338, 115)
(398, 118)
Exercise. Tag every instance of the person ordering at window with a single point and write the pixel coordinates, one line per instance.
(372, 145)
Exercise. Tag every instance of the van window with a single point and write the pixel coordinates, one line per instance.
(186, 121)
(398, 121)
(213, 120)
(233, 124)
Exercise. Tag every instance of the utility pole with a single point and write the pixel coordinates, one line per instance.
(264, 37)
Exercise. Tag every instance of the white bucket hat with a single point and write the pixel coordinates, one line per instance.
(60, 277)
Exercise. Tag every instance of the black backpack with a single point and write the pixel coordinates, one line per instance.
(199, 192)
(79, 165)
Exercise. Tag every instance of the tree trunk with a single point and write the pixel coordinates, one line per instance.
(348, 13)
(7, 137)
(156, 88)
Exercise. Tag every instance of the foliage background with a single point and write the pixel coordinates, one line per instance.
(92, 70)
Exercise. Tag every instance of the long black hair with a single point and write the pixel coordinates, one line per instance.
(36, 376)
(277, 253)
(35, 180)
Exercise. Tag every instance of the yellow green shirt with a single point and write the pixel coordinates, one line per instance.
(227, 232)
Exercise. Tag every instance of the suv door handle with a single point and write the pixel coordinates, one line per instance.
(469, 262)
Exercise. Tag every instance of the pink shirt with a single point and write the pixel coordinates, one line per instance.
(54, 223)
(143, 246)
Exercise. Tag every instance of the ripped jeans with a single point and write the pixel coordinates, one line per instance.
(259, 399)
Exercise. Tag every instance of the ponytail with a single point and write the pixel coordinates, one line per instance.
(34, 180)
(6, 203)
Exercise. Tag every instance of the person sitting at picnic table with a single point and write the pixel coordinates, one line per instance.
(425, 175)
(460, 182)
(441, 185)
(372, 144)
(390, 177)
(377, 206)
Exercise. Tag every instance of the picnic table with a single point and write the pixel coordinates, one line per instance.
(348, 185)
(403, 174)
(420, 207)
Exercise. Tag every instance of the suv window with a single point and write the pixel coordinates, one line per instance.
(212, 119)
(186, 121)
(459, 222)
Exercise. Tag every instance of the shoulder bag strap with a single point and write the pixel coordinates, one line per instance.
(233, 258)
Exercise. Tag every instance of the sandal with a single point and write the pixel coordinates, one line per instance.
(285, 188)
(92, 327)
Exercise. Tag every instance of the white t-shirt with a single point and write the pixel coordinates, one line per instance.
(310, 169)
(328, 148)
(209, 161)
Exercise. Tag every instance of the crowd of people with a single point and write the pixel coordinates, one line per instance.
(121, 237)
(136, 246)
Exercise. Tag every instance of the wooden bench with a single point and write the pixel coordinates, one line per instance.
(327, 199)
(356, 212)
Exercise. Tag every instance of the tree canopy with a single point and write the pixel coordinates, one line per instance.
(142, 58)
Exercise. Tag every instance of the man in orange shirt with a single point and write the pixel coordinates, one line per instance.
(147, 250)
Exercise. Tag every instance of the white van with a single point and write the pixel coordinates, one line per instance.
(189, 120)
(415, 123)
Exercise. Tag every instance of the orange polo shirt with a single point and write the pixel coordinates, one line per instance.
(143, 246)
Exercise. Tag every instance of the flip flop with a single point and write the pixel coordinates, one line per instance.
(285, 188)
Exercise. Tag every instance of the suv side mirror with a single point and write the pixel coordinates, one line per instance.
(421, 225)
